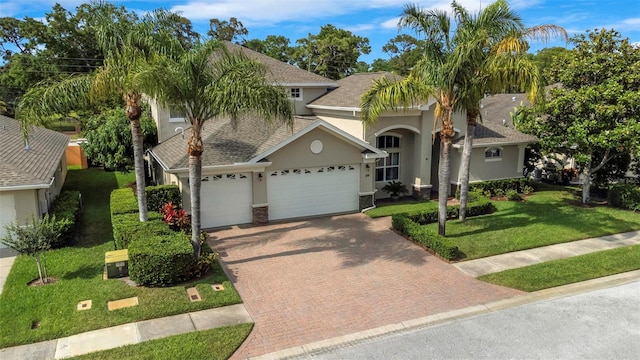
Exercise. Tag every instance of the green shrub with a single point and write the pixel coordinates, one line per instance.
(513, 195)
(123, 201)
(127, 228)
(66, 207)
(161, 260)
(500, 187)
(499, 192)
(527, 190)
(439, 244)
(624, 196)
(162, 194)
(479, 207)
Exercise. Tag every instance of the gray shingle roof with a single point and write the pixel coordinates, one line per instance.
(491, 130)
(281, 72)
(351, 89)
(224, 145)
(33, 167)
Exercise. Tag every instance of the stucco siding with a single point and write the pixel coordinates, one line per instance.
(26, 204)
(484, 169)
(352, 126)
(308, 95)
(393, 124)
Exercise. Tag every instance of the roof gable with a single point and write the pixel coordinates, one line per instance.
(350, 90)
(33, 166)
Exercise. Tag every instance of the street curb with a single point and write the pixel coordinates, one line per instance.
(449, 316)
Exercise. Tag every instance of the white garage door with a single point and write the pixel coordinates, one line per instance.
(7, 212)
(314, 191)
(226, 200)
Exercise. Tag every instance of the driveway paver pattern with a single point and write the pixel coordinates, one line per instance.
(315, 279)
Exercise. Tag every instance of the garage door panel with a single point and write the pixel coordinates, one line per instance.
(7, 212)
(307, 192)
(226, 200)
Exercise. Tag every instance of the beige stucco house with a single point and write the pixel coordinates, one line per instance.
(329, 162)
(32, 172)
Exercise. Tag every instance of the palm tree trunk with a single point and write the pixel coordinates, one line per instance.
(134, 111)
(444, 177)
(195, 184)
(466, 164)
(586, 186)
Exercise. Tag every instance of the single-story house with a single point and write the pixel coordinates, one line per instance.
(330, 162)
(33, 171)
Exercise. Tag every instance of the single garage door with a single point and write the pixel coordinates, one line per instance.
(314, 191)
(7, 212)
(225, 200)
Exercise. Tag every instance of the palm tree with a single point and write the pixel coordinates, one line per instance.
(207, 82)
(430, 77)
(128, 50)
(492, 45)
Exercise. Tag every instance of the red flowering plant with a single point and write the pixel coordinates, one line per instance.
(177, 218)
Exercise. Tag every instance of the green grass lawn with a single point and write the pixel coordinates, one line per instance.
(79, 269)
(217, 343)
(391, 208)
(545, 218)
(569, 270)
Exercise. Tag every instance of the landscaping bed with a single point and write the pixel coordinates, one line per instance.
(33, 314)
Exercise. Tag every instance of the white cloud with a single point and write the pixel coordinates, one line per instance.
(359, 27)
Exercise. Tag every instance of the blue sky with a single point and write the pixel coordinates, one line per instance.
(374, 19)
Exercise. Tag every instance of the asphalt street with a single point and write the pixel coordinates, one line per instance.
(602, 324)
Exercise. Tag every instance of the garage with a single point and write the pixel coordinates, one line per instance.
(313, 191)
(7, 212)
(226, 200)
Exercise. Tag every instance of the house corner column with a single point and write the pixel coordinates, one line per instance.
(260, 214)
(521, 151)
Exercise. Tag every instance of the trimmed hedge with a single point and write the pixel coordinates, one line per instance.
(624, 196)
(480, 207)
(123, 201)
(128, 228)
(503, 186)
(439, 244)
(161, 260)
(66, 206)
(159, 195)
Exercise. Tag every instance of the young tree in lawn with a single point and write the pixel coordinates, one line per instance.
(492, 45)
(35, 239)
(429, 77)
(594, 115)
(206, 82)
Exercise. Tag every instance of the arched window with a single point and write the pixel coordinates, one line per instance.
(388, 169)
(493, 154)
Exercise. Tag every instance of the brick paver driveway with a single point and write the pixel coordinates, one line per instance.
(320, 278)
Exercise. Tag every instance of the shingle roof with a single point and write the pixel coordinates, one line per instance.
(491, 130)
(282, 72)
(36, 166)
(351, 89)
(224, 145)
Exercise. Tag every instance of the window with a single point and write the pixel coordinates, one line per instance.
(493, 154)
(295, 93)
(388, 169)
(177, 116)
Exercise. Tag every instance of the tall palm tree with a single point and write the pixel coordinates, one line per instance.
(207, 82)
(492, 45)
(128, 48)
(430, 77)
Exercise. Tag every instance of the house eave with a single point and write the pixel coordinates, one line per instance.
(483, 145)
(224, 169)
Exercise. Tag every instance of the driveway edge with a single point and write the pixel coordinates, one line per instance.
(435, 319)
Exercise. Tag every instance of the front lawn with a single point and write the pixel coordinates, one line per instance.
(217, 343)
(545, 218)
(570, 270)
(32, 314)
(391, 208)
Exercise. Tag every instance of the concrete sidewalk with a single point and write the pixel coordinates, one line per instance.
(7, 257)
(523, 258)
(127, 334)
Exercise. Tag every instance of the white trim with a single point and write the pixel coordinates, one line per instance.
(259, 205)
(393, 127)
(224, 169)
(426, 106)
(341, 108)
(331, 128)
(178, 120)
(481, 145)
(300, 93)
(493, 159)
(422, 186)
(25, 187)
(366, 193)
(285, 84)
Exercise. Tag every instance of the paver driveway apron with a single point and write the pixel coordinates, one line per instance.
(314, 279)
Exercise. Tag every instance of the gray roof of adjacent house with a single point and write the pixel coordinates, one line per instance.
(350, 90)
(283, 73)
(226, 145)
(492, 129)
(34, 166)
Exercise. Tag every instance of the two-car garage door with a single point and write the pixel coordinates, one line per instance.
(314, 191)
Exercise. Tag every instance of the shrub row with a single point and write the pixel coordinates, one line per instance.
(624, 196)
(501, 187)
(439, 244)
(161, 260)
(479, 207)
(123, 201)
(159, 195)
(127, 228)
(66, 206)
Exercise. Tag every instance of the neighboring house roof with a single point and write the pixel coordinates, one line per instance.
(492, 130)
(33, 167)
(350, 90)
(249, 142)
(283, 73)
